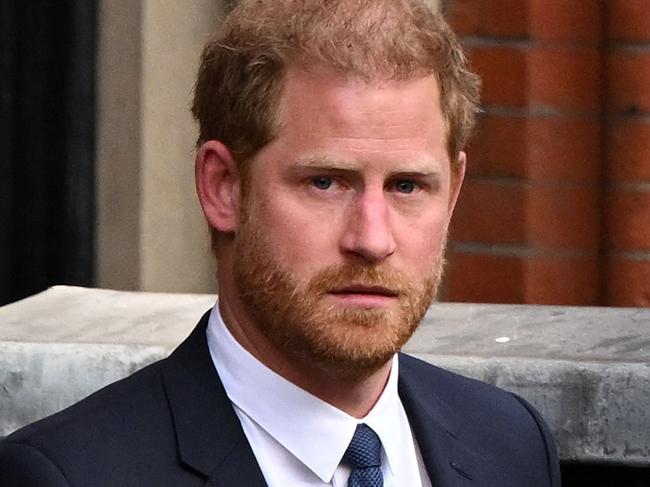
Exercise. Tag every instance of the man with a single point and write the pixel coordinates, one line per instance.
(328, 165)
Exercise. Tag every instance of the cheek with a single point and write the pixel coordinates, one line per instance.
(423, 241)
(302, 239)
(424, 250)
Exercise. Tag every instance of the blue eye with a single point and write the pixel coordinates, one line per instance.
(405, 186)
(322, 182)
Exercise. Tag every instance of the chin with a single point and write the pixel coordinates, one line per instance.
(352, 343)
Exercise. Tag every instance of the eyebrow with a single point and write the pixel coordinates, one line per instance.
(420, 168)
(326, 163)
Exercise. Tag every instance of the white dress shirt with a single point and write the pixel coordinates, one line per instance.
(299, 439)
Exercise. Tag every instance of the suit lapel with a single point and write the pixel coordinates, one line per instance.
(448, 461)
(209, 434)
(212, 442)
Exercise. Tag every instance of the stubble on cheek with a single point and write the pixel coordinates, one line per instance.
(295, 317)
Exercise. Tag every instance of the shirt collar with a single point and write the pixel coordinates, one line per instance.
(298, 420)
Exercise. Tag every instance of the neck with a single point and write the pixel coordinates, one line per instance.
(354, 396)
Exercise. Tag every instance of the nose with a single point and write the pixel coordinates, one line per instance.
(368, 233)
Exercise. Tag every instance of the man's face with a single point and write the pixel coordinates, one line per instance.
(340, 243)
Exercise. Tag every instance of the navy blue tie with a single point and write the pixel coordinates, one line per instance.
(363, 456)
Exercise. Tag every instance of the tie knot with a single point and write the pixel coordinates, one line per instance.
(365, 448)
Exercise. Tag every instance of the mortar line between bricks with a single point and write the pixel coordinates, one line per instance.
(635, 255)
(528, 43)
(631, 47)
(636, 186)
(624, 116)
(533, 183)
(546, 113)
(485, 41)
(505, 250)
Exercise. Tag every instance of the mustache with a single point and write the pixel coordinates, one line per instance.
(381, 278)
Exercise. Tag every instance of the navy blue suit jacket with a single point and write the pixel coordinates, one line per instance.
(171, 424)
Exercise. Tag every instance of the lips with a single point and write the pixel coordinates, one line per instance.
(365, 290)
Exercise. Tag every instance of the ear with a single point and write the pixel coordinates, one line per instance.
(457, 176)
(217, 184)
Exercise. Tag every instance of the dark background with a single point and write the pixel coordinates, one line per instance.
(47, 134)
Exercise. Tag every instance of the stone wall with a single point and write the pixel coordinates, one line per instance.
(148, 53)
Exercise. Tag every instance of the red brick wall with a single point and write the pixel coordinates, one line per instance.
(556, 204)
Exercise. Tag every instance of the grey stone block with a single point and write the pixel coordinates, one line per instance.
(587, 369)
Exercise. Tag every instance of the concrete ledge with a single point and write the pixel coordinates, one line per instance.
(586, 369)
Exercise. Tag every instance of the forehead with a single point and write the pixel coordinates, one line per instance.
(352, 99)
(320, 107)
